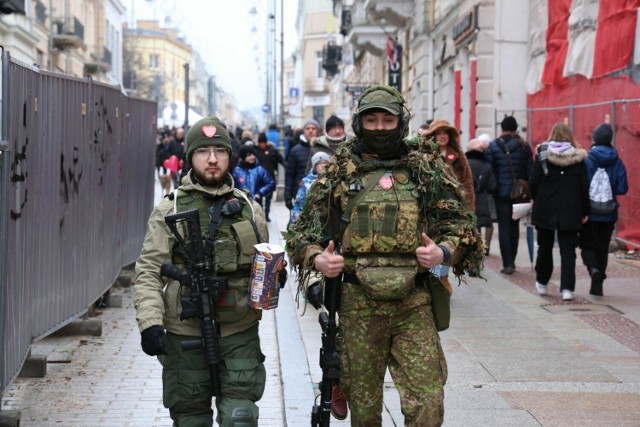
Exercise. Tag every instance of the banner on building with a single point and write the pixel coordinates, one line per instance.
(573, 37)
(394, 60)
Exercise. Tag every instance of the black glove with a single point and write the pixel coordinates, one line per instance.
(154, 340)
(314, 296)
(288, 203)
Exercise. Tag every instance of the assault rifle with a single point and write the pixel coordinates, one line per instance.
(206, 289)
(329, 357)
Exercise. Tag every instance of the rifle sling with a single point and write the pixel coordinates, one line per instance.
(215, 213)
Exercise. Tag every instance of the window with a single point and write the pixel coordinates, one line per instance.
(39, 58)
(319, 70)
(154, 61)
(318, 114)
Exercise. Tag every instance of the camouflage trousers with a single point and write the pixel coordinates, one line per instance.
(400, 335)
(186, 381)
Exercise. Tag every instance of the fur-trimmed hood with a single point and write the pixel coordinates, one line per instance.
(568, 157)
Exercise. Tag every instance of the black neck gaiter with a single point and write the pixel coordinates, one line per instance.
(384, 143)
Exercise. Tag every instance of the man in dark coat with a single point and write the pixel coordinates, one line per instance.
(522, 161)
(269, 157)
(297, 161)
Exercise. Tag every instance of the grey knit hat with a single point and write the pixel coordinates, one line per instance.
(311, 122)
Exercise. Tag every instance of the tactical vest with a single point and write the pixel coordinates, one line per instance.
(232, 253)
(384, 231)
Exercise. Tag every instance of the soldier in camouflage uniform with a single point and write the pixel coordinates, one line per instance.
(240, 224)
(402, 214)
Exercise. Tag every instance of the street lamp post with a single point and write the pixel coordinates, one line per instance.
(281, 121)
(186, 97)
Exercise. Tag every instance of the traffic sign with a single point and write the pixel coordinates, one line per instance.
(266, 108)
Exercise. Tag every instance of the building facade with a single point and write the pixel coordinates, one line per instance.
(459, 60)
(74, 37)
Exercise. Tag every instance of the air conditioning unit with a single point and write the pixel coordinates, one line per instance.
(12, 6)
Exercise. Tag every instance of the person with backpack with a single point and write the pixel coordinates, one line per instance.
(603, 163)
(560, 205)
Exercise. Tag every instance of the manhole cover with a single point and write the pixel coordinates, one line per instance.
(580, 309)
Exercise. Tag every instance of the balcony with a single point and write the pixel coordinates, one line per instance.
(68, 32)
(395, 12)
(366, 34)
(315, 85)
(99, 63)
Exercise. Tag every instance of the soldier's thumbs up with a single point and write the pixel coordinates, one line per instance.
(429, 254)
(426, 240)
(328, 263)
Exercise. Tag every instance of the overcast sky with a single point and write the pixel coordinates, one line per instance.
(220, 30)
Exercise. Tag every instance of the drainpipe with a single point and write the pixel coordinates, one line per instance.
(4, 206)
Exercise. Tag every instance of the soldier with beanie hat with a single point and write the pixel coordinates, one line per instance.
(165, 323)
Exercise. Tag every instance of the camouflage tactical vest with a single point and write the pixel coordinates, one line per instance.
(233, 250)
(379, 243)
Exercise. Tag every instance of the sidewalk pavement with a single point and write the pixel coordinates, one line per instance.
(515, 358)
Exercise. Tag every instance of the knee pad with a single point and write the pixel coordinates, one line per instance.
(242, 417)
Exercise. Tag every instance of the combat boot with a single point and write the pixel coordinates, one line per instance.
(338, 403)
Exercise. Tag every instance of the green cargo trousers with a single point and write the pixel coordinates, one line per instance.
(187, 383)
(398, 334)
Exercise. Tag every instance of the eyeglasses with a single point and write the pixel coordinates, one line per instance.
(205, 152)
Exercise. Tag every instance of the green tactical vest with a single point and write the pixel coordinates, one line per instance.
(380, 242)
(233, 250)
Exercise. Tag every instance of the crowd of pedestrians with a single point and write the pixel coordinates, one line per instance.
(389, 248)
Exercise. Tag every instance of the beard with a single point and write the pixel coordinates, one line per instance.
(210, 180)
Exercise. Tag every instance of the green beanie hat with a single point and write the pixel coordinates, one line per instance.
(208, 131)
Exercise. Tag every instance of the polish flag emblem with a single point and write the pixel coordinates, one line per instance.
(209, 131)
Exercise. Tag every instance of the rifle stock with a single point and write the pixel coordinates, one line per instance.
(206, 290)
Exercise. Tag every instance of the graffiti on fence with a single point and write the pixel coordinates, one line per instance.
(70, 177)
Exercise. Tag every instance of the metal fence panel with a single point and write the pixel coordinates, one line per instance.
(80, 189)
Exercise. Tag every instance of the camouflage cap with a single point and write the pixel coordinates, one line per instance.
(208, 131)
(381, 97)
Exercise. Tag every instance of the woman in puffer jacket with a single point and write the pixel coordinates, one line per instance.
(560, 192)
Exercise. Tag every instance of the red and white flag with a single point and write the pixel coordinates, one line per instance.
(393, 50)
(591, 38)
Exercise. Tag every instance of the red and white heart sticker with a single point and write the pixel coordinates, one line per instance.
(209, 131)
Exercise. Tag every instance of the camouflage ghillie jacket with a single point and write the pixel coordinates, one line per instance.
(442, 212)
